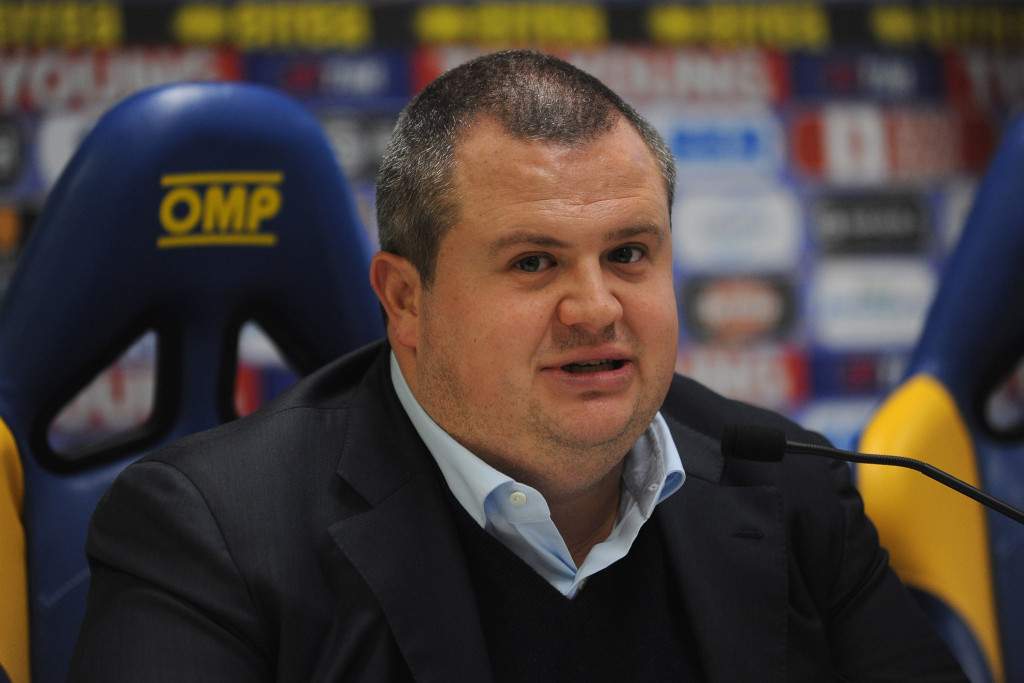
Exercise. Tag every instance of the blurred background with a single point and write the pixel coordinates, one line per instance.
(828, 154)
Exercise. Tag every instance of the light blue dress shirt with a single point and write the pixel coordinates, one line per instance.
(519, 517)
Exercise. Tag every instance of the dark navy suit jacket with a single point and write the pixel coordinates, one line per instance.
(313, 541)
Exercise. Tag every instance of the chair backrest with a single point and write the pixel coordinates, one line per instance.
(964, 564)
(188, 210)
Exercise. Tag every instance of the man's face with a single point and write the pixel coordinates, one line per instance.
(547, 340)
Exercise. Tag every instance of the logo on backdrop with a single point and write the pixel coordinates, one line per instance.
(737, 309)
(219, 208)
(870, 223)
(879, 76)
(772, 375)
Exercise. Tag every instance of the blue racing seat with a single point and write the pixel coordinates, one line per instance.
(188, 210)
(964, 565)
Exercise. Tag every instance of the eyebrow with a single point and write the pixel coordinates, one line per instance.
(634, 231)
(536, 239)
(542, 240)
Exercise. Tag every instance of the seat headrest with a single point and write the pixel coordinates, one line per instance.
(188, 209)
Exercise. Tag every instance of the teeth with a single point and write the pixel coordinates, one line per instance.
(587, 366)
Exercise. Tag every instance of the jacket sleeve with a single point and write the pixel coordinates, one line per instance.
(166, 602)
(876, 630)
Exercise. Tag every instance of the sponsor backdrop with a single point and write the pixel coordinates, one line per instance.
(828, 154)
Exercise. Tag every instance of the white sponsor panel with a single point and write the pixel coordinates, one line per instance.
(434, 61)
(343, 132)
(756, 231)
(718, 146)
(70, 80)
(355, 77)
(120, 398)
(856, 150)
(255, 347)
(682, 74)
(57, 138)
(358, 141)
(644, 74)
(861, 304)
(116, 400)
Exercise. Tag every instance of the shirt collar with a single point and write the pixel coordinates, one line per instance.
(652, 470)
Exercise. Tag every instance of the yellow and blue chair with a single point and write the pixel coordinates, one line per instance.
(965, 565)
(188, 210)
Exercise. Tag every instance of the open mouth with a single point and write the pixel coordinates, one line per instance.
(593, 366)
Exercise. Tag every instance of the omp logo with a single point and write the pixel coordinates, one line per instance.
(219, 208)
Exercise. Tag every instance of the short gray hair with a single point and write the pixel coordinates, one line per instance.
(534, 96)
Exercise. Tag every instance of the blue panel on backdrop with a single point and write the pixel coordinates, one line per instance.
(875, 76)
(378, 79)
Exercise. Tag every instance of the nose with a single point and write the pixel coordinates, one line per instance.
(588, 303)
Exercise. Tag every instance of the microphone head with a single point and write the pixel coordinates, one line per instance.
(751, 442)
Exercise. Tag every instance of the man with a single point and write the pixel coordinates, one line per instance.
(515, 486)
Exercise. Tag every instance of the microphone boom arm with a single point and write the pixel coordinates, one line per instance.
(910, 463)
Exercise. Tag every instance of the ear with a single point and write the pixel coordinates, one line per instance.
(397, 284)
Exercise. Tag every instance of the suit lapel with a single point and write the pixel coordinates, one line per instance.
(405, 546)
(727, 548)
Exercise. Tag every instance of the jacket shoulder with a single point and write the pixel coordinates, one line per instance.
(691, 403)
(321, 400)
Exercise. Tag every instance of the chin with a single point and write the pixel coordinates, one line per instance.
(598, 432)
(595, 423)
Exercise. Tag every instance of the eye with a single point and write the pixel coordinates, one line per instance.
(534, 263)
(626, 254)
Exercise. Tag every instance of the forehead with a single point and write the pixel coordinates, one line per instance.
(494, 171)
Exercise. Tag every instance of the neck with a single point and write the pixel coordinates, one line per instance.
(586, 518)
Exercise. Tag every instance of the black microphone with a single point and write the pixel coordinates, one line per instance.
(764, 444)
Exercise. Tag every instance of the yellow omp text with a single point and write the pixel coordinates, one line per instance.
(219, 208)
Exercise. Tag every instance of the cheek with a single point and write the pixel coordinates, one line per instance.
(654, 314)
(490, 335)
(509, 342)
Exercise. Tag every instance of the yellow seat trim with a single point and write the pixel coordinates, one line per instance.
(937, 538)
(14, 651)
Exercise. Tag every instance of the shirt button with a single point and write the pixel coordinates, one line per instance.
(517, 498)
(652, 488)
